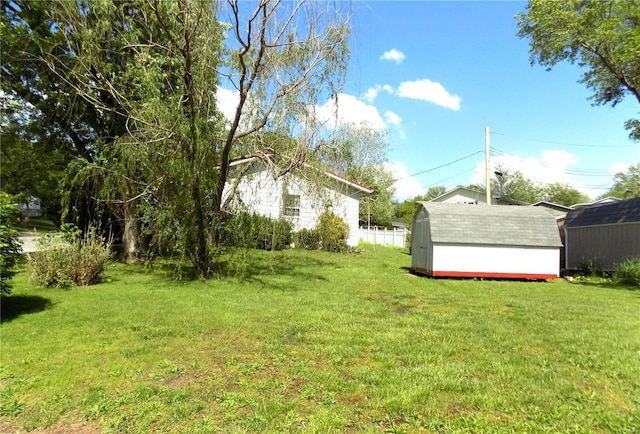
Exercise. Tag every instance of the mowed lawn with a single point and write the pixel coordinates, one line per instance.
(300, 341)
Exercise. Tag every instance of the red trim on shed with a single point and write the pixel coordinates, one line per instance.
(492, 275)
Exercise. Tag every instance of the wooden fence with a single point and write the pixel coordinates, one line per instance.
(386, 237)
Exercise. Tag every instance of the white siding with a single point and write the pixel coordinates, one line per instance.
(463, 196)
(496, 259)
(260, 193)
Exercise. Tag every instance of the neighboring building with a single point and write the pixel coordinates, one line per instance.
(603, 234)
(296, 198)
(30, 208)
(604, 200)
(453, 240)
(399, 225)
(553, 208)
(465, 195)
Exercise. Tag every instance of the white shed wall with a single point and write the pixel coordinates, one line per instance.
(504, 261)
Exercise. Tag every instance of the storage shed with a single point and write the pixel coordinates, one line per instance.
(604, 234)
(455, 240)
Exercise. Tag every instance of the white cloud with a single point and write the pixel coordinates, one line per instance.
(551, 167)
(351, 110)
(430, 91)
(393, 55)
(619, 167)
(392, 118)
(406, 186)
(396, 121)
(372, 93)
(227, 102)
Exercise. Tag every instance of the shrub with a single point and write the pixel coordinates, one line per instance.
(591, 269)
(332, 232)
(10, 248)
(254, 231)
(628, 273)
(66, 258)
(307, 239)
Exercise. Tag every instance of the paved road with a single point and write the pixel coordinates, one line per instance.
(29, 243)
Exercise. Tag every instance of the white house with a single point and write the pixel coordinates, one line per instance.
(470, 196)
(30, 207)
(456, 240)
(299, 196)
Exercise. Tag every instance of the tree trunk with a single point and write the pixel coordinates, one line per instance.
(201, 259)
(132, 250)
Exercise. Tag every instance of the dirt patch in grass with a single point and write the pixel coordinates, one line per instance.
(83, 427)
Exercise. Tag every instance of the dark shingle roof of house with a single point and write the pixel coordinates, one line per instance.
(492, 225)
(624, 211)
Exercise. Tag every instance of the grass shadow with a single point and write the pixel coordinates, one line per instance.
(607, 284)
(13, 306)
(248, 265)
(253, 266)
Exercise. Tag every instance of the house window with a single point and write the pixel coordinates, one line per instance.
(292, 205)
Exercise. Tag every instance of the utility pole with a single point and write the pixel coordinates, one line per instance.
(487, 162)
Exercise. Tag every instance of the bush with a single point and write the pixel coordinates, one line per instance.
(66, 259)
(332, 232)
(628, 273)
(10, 248)
(307, 239)
(254, 231)
(591, 269)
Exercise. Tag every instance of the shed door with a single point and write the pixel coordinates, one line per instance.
(421, 243)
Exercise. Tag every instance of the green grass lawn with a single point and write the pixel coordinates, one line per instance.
(317, 342)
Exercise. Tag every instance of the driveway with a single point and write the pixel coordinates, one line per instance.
(29, 243)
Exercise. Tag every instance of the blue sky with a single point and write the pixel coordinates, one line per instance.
(453, 68)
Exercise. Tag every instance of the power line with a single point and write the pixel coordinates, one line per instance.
(439, 167)
(437, 183)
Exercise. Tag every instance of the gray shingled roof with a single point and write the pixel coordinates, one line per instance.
(624, 211)
(492, 225)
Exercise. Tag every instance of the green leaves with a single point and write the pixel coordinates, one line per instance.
(601, 37)
(626, 184)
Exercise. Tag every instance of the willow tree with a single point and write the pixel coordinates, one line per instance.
(158, 67)
(279, 60)
(282, 59)
(603, 37)
(151, 73)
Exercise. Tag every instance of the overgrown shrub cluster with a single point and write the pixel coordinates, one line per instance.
(66, 259)
(333, 232)
(628, 272)
(254, 231)
(10, 248)
(308, 239)
(330, 234)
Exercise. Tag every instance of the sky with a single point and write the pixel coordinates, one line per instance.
(436, 74)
